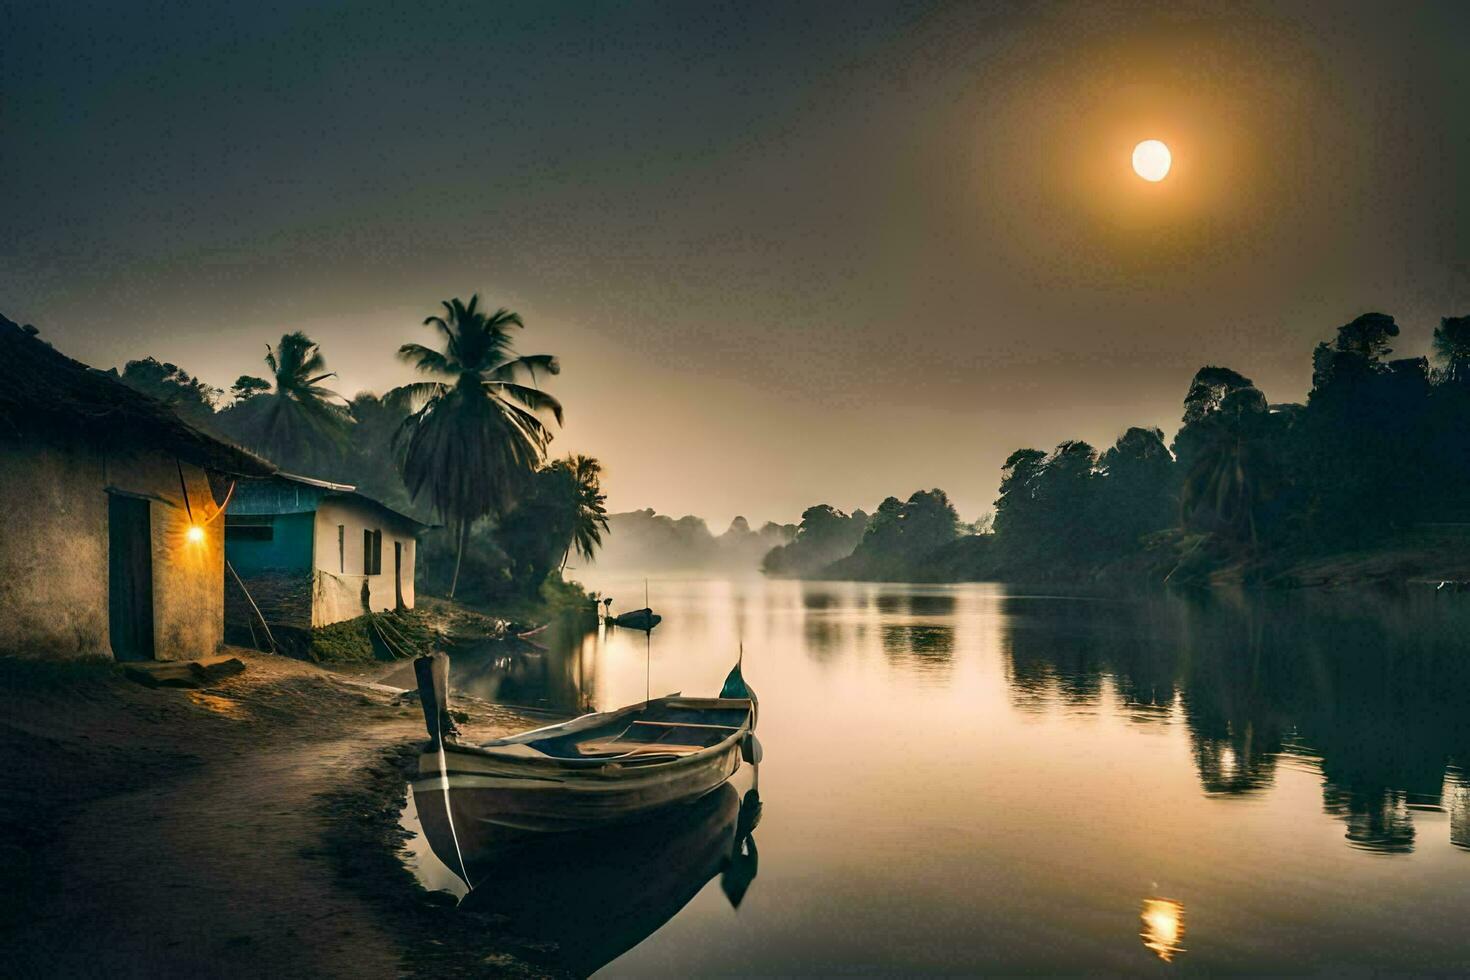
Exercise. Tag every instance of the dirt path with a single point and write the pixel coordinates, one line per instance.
(208, 876)
(213, 865)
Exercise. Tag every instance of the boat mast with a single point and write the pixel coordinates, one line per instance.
(647, 648)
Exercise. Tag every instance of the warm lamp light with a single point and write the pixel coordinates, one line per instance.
(195, 534)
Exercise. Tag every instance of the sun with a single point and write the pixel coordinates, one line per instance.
(1151, 160)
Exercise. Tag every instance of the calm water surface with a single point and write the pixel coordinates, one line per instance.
(961, 779)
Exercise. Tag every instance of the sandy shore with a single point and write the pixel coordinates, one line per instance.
(243, 830)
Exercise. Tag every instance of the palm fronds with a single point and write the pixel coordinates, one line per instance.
(292, 416)
(472, 440)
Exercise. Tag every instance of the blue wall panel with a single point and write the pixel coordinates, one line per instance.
(290, 547)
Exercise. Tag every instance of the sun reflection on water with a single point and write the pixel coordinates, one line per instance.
(1163, 927)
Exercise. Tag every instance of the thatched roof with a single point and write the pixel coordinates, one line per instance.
(45, 394)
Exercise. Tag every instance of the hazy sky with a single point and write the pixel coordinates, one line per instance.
(788, 253)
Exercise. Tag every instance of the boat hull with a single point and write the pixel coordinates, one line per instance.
(482, 797)
(505, 785)
(638, 619)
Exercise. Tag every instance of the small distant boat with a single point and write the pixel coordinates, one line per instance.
(595, 770)
(638, 619)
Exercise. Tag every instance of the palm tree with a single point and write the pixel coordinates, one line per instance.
(1452, 348)
(590, 519)
(1224, 487)
(290, 417)
(474, 436)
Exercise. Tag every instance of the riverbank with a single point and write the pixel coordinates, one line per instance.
(437, 623)
(244, 829)
(1173, 559)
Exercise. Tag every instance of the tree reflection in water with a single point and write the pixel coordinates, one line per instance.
(919, 634)
(1371, 690)
(919, 646)
(556, 670)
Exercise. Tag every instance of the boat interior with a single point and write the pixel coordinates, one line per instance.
(660, 731)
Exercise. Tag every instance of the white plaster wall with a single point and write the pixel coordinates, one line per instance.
(339, 575)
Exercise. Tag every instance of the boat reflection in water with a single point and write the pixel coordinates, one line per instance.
(1163, 927)
(599, 893)
(740, 870)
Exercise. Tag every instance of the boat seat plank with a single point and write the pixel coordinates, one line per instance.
(614, 747)
(686, 724)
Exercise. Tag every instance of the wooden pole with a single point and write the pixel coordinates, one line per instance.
(647, 650)
(432, 674)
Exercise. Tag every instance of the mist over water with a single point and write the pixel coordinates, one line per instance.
(960, 778)
(641, 542)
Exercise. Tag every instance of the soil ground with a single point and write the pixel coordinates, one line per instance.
(246, 829)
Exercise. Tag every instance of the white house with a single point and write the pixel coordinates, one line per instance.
(311, 553)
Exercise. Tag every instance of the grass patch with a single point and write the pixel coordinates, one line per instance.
(553, 600)
(412, 632)
(374, 636)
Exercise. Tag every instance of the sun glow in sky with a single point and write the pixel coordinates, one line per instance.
(1151, 160)
(694, 241)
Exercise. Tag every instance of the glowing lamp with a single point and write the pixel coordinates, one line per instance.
(195, 534)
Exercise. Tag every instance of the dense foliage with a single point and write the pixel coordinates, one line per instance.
(190, 397)
(563, 510)
(291, 415)
(1380, 451)
(824, 535)
(465, 449)
(899, 537)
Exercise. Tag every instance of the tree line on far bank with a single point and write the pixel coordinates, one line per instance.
(1379, 453)
(466, 447)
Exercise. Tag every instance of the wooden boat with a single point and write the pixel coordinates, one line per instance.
(638, 619)
(599, 769)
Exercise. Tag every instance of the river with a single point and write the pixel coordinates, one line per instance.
(964, 779)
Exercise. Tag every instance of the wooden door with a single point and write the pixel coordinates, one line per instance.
(397, 574)
(129, 578)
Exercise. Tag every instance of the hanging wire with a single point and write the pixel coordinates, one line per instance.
(184, 489)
